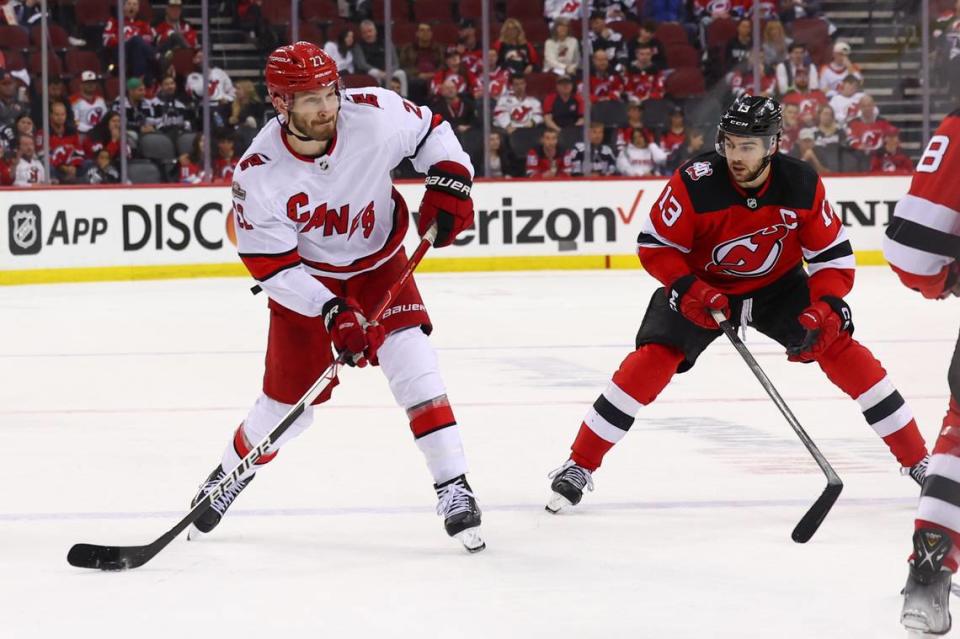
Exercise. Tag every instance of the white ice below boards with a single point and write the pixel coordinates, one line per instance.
(116, 396)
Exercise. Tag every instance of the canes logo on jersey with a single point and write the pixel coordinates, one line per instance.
(331, 219)
(698, 170)
(750, 255)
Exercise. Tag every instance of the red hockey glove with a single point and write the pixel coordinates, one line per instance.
(447, 201)
(351, 334)
(824, 321)
(694, 299)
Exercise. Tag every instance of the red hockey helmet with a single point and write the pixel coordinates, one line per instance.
(299, 67)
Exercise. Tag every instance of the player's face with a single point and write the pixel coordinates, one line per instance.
(744, 156)
(314, 113)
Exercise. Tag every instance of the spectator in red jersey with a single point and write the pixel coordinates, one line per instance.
(563, 107)
(139, 40)
(548, 160)
(420, 60)
(561, 52)
(740, 80)
(643, 80)
(791, 127)
(865, 133)
(808, 101)
(634, 121)
(644, 37)
(455, 108)
(513, 51)
(172, 31)
(6, 176)
(88, 105)
(604, 83)
(456, 72)
(471, 53)
(66, 152)
(692, 147)
(226, 161)
(499, 76)
(676, 132)
(890, 157)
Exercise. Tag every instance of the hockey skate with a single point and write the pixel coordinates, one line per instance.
(568, 483)
(207, 521)
(461, 515)
(926, 597)
(918, 471)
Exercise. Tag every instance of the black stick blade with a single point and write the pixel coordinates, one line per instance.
(106, 557)
(815, 516)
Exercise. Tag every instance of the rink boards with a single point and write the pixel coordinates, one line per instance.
(64, 234)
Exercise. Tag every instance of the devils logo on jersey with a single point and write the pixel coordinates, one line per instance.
(750, 255)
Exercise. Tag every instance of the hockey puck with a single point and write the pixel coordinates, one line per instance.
(113, 566)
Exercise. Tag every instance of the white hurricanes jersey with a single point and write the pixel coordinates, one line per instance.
(338, 214)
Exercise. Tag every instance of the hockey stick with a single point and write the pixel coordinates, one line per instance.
(125, 557)
(818, 511)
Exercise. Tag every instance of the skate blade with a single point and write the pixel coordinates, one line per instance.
(471, 539)
(194, 533)
(557, 503)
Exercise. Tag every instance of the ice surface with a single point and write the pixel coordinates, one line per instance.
(117, 398)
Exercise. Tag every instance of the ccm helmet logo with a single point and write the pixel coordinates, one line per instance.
(448, 184)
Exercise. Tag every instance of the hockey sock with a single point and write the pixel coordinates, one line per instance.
(940, 499)
(438, 438)
(262, 418)
(640, 378)
(854, 369)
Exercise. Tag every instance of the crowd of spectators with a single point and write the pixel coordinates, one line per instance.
(658, 77)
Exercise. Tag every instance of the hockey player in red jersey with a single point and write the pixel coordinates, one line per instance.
(922, 244)
(321, 228)
(730, 232)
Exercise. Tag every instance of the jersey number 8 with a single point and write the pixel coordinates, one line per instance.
(933, 154)
(670, 208)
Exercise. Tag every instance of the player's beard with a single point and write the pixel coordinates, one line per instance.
(744, 174)
(313, 126)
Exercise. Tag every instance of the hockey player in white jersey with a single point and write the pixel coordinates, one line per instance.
(321, 227)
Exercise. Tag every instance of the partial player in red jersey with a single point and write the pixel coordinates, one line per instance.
(320, 225)
(923, 248)
(730, 232)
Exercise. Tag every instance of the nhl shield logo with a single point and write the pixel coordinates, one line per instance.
(752, 202)
(24, 225)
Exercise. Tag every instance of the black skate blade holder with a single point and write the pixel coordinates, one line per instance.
(815, 515)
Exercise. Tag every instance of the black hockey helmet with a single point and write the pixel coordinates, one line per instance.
(755, 117)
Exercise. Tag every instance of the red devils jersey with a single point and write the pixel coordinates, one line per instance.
(922, 242)
(808, 103)
(738, 240)
(866, 136)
